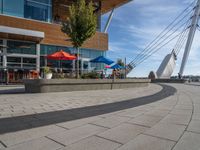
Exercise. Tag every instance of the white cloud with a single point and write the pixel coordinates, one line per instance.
(137, 23)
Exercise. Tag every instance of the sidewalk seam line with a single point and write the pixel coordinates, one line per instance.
(55, 141)
(109, 139)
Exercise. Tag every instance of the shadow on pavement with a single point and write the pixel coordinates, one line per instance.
(48, 118)
(11, 90)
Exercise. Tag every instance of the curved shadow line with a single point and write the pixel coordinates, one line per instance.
(191, 84)
(48, 118)
(12, 91)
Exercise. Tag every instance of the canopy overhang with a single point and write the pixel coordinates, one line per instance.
(106, 5)
(18, 33)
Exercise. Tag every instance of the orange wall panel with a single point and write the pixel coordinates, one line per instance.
(53, 34)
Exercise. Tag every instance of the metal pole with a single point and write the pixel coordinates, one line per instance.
(190, 37)
(125, 68)
(77, 76)
(109, 20)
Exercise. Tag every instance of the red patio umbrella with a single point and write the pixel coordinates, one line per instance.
(61, 55)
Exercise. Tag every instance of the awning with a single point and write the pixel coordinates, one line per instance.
(23, 32)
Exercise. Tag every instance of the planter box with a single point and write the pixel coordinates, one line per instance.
(64, 85)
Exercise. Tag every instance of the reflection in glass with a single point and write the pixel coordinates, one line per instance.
(38, 10)
(21, 47)
(13, 7)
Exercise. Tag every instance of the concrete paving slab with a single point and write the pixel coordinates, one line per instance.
(161, 113)
(76, 134)
(131, 113)
(146, 120)
(167, 131)
(79, 122)
(165, 107)
(176, 119)
(145, 142)
(194, 126)
(111, 121)
(144, 108)
(196, 116)
(188, 106)
(181, 112)
(189, 141)
(123, 133)
(93, 143)
(37, 144)
(197, 108)
(26, 135)
(184, 102)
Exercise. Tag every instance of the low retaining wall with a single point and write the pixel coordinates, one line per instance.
(64, 85)
(168, 81)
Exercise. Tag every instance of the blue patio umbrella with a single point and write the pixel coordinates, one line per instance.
(102, 59)
(117, 66)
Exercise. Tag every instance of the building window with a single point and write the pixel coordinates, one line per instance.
(12, 7)
(88, 53)
(14, 62)
(50, 49)
(38, 10)
(21, 47)
(1, 5)
(20, 62)
(29, 62)
(33, 9)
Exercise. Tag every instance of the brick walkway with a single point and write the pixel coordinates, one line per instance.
(158, 117)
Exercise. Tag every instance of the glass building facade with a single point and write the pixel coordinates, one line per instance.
(21, 57)
(85, 55)
(32, 9)
(19, 47)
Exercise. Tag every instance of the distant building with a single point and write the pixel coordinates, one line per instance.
(30, 30)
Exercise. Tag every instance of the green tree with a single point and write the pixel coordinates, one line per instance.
(81, 24)
(120, 62)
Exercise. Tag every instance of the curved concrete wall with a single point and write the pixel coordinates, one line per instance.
(64, 85)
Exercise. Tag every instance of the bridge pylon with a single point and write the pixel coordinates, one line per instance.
(190, 39)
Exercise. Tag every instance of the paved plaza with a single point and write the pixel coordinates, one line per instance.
(157, 117)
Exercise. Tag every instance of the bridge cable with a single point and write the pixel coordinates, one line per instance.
(164, 30)
(166, 38)
(198, 27)
(182, 42)
(182, 39)
(158, 41)
(159, 48)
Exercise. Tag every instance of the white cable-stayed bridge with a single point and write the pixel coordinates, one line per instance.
(182, 29)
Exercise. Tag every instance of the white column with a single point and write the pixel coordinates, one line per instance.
(109, 21)
(38, 57)
(5, 54)
(190, 37)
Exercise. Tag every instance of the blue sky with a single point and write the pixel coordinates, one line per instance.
(137, 23)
